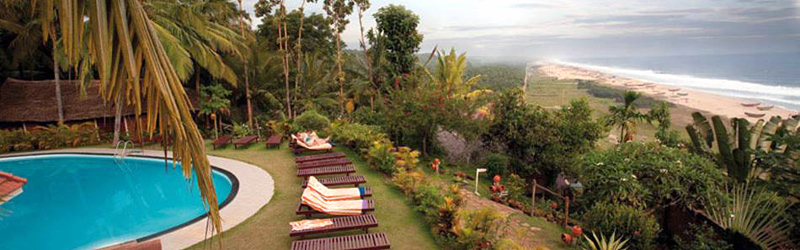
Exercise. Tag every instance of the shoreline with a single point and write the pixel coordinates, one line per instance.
(703, 101)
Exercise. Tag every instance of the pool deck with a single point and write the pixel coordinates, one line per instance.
(256, 188)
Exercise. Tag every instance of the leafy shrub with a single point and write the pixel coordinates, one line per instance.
(369, 117)
(703, 237)
(241, 130)
(355, 135)
(538, 141)
(381, 157)
(633, 223)
(310, 120)
(406, 158)
(20, 140)
(478, 229)
(407, 181)
(516, 188)
(496, 164)
(648, 176)
(49, 137)
(5, 141)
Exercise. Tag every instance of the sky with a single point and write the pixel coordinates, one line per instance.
(560, 29)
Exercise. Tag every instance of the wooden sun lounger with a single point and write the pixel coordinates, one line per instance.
(305, 173)
(297, 149)
(368, 206)
(221, 141)
(324, 163)
(354, 180)
(245, 140)
(350, 242)
(346, 223)
(317, 157)
(274, 141)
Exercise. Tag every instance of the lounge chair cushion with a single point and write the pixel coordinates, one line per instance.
(346, 207)
(334, 194)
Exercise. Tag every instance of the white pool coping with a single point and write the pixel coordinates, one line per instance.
(256, 188)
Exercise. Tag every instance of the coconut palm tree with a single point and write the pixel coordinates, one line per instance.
(626, 116)
(130, 59)
(27, 41)
(196, 33)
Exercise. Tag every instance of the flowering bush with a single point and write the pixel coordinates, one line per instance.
(478, 229)
(648, 176)
(355, 135)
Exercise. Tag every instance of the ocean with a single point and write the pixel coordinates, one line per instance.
(769, 78)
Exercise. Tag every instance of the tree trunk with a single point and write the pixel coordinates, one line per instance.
(364, 46)
(299, 51)
(284, 60)
(57, 77)
(117, 118)
(246, 75)
(340, 74)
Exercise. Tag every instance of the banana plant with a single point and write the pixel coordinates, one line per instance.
(736, 149)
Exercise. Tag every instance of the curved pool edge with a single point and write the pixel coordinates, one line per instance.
(256, 188)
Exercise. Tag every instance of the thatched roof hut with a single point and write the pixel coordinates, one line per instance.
(35, 102)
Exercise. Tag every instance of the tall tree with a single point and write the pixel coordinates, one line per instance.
(264, 8)
(398, 26)
(626, 116)
(363, 5)
(246, 73)
(129, 58)
(338, 10)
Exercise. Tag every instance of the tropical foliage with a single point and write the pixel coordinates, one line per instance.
(600, 243)
(625, 116)
(759, 217)
(537, 141)
(739, 149)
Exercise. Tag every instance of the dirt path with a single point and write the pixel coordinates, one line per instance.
(518, 229)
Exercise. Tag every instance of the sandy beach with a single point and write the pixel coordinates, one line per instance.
(711, 103)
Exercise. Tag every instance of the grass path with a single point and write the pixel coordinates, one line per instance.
(269, 227)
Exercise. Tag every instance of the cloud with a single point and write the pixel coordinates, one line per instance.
(535, 6)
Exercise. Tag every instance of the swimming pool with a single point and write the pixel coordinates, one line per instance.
(82, 201)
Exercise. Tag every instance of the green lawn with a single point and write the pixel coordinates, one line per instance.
(553, 93)
(269, 228)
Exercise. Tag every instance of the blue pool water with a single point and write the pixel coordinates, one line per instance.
(87, 201)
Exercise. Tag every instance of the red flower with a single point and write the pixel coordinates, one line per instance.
(496, 179)
(554, 205)
(566, 238)
(577, 230)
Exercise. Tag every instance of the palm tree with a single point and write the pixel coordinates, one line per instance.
(246, 74)
(196, 33)
(130, 60)
(449, 74)
(27, 40)
(625, 116)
